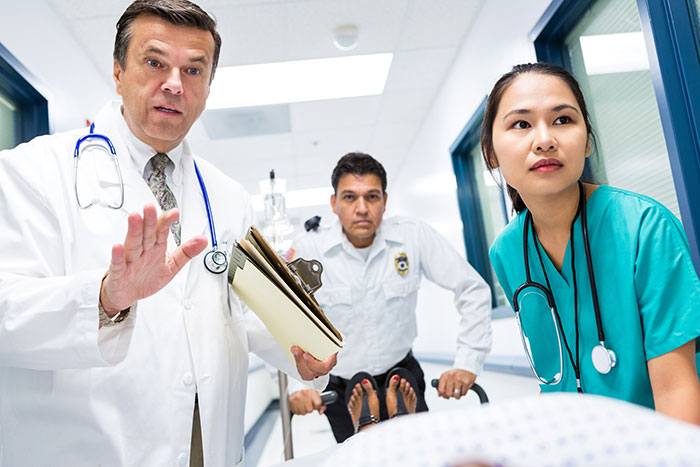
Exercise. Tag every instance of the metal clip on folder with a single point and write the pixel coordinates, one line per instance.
(281, 295)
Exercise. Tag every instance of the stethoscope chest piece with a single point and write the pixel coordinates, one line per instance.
(215, 261)
(603, 359)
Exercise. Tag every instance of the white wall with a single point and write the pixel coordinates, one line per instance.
(425, 186)
(33, 33)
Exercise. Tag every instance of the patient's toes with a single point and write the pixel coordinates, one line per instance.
(355, 404)
(409, 396)
(391, 402)
(372, 398)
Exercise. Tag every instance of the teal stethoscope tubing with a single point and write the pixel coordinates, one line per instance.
(215, 260)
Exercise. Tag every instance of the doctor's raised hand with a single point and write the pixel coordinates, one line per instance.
(141, 266)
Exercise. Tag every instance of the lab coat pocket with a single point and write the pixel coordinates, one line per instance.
(336, 303)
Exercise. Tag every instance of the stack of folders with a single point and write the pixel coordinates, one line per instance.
(281, 295)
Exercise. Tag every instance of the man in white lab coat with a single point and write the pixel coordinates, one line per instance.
(372, 272)
(138, 356)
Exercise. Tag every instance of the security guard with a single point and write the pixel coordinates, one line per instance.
(372, 272)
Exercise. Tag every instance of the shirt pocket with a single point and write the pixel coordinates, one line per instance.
(401, 289)
(336, 303)
(400, 301)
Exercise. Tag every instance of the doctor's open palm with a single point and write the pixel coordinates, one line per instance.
(141, 266)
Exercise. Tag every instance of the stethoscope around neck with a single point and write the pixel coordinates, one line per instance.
(215, 260)
(603, 359)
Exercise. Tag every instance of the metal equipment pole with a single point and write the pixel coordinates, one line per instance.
(286, 415)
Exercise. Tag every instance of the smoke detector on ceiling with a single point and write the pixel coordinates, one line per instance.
(345, 37)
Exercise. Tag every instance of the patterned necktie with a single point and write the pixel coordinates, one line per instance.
(165, 197)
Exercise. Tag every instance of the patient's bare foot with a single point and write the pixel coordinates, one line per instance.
(407, 393)
(355, 402)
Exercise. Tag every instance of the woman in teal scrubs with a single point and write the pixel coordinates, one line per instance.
(536, 130)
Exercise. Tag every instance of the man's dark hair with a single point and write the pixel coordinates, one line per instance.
(177, 12)
(358, 163)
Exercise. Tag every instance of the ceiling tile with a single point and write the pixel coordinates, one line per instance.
(311, 24)
(437, 23)
(254, 33)
(419, 69)
(240, 152)
(335, 113)
(332, 143)
(405, 106)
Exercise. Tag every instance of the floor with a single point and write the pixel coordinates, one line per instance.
(311, 434)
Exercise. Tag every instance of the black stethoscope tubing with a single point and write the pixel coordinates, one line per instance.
(609, 357)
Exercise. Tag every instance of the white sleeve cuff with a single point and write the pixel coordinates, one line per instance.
(114, 341)
(321, 382)
(470, 360)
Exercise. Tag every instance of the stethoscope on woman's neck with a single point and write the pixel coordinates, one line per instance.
(604, 359)
(215, 260)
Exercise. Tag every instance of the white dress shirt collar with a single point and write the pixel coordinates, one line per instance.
(386, 233)
(141, 153)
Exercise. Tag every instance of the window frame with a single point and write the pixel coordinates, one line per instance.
(22, 88)
(473, 228)
(674, 64)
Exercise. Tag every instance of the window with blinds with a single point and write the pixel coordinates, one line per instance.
(8, 123)
(609, 59)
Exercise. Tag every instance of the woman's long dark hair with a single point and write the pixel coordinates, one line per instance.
(494, 100)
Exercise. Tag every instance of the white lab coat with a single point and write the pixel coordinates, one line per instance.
(71, 395)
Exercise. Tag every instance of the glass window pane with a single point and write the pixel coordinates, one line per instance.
(490, 200)
(609, 59)
(8, 123)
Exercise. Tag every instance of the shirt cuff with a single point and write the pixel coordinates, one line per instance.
(321, 382)
(470, 360)
(114, 341)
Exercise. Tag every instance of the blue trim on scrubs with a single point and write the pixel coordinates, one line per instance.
(648, 289)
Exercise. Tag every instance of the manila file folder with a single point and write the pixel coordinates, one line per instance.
(281, 295)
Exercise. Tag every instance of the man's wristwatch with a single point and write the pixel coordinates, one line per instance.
(106, 321)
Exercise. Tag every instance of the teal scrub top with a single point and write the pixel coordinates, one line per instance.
(648, 291)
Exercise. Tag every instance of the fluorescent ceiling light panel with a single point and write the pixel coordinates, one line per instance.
(299, 81)
(298, 198)
(614, 53)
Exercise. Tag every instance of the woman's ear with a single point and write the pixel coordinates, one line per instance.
(493, 162)
(588, 145)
